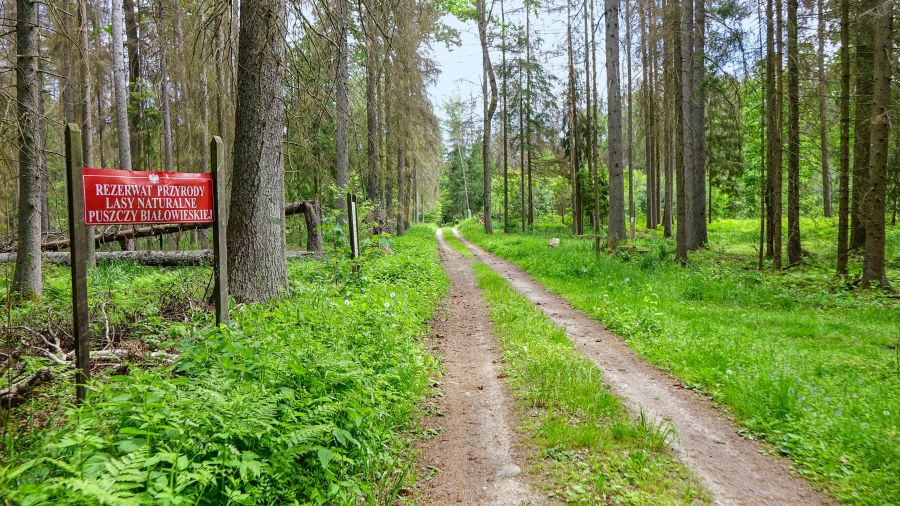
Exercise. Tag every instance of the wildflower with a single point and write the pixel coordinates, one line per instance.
(387, 305)
(393, 294)
(346, 302)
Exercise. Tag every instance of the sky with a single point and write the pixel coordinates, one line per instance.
(460, 66)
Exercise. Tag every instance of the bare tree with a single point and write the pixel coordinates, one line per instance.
(120, 86)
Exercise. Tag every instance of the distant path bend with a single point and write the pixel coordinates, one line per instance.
(733, 469)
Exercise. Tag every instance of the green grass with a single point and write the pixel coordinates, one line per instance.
(583, 439)
(456, 244)
(802, 361)
(307, 400)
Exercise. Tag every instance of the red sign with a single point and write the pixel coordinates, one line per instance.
(121, 197)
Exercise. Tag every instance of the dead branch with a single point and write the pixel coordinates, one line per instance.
(16, 393)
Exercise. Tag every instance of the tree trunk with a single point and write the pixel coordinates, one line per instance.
(823, 116)
(87, 124)
(204, 117)
(573, 120)
(164, 95)
(256, 241)
(616, 229)
(874, 252)
(528, 110)
(793, 249)
(698, 231)
(864, 71)
(685, 162)
(120, 86)
(342, 110)
(647, 91)
(522, 143)
(671, 96)
(27, 275)
(630, 161)
(505, 121)
(135, 82)
(401, 200)
(371, 110)
(490, 106)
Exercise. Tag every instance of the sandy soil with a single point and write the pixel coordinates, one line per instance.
(472, 459)
(734, 470)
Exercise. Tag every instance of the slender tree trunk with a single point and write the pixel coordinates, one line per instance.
(844, 178)
(164, 94)
(135, 83)
(685, 162)
(528, 110)
(573, 120)
(256, 242)
(590, 90)
(698, 232)
(27, 274)
(522, 143)
(646, 90)
(823, 115)
(795, 253)
(505, 121)
(630, 141)
(388, 140)
(670, 121)
(121, 91)
(203, 234)
(490, 106)
(401, 195)
(779, 134)
(874, 252)
(616, 228)
(342, 111)
(87, 127)
(371, 109)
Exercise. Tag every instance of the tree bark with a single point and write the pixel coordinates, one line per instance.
(697, 223)
(684, 159)
(256, 241)
(87, 127)
(864, 71)
(490, 106)
(120, 87)
(616, 229)
(27, 275)
(528, 111)
(793, 249)
(823, 116)
(135, 82)
(371, 109)
(342, 110)
(505, 120)
(874, 252)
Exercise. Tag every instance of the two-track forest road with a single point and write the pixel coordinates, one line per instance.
(733, 469)
(472, 459)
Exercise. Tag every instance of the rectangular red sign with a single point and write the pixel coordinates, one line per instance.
(121, 197)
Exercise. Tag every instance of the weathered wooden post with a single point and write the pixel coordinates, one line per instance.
(353, 227)
(78, 247)
(220, 260)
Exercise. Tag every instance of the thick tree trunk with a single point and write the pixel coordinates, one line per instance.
(616, 229)
(27, 275)
(864, 71)
(120, 87)
(823, 116)
(793, 249)
(684, 158)
(256, 242)
(874, 252)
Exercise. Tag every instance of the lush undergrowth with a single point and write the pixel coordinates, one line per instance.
(802, 360)
(302, 401)
(584, 440)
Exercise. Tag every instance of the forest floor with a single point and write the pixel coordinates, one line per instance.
(733, 469)
(799, 358)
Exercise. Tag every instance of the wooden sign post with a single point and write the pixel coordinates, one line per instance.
(78, 246)
(119, 197)
(353, 227)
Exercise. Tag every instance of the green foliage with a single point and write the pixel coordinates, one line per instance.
(303, 401)
(803, 362)
(584, 438)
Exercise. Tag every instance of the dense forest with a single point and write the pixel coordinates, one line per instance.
(644, 252)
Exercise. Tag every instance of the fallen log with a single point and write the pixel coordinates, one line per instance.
(149, 258)
(309, 208)
(16, 392)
